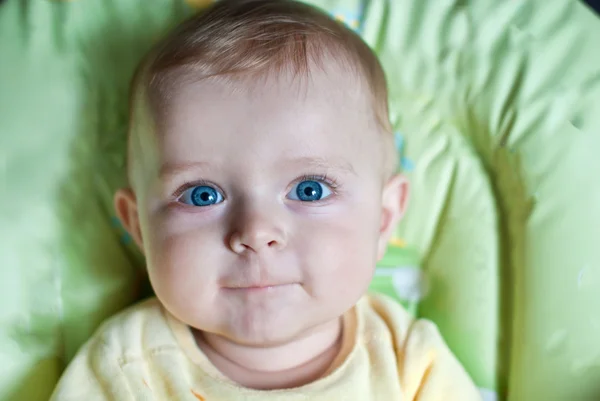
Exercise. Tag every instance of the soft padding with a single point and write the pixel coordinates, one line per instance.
(497, 112)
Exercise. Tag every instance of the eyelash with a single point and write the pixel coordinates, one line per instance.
(324, 178)
(331, 182)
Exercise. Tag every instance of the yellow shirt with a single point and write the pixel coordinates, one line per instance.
(145, 353)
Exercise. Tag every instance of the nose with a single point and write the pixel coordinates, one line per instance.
(256, 231)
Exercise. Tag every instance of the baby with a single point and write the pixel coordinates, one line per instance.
(263, 190)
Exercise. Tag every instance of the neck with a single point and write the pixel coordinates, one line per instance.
(286, 365)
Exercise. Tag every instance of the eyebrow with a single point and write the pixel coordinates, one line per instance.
(320, 162)
(169, 170)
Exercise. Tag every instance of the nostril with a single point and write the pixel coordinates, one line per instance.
(272, 243)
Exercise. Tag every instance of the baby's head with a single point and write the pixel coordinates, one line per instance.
(262, 170)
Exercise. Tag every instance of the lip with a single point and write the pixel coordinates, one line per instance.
(259, 287)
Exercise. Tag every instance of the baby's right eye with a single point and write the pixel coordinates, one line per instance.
(201, 195)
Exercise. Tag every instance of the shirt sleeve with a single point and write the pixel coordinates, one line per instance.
(429, 371)
(94, 375)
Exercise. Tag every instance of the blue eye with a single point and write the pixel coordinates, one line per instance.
(309, 191)
(202, 195)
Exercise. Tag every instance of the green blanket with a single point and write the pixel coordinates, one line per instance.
(497, 112)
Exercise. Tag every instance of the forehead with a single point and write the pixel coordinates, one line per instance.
(327, 113)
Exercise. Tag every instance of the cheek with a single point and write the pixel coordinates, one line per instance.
(342, 253)
(181, 245)
(183, 269)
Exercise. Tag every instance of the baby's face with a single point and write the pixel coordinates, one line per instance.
(262, 217)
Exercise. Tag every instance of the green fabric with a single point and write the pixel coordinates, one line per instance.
(500, 104)
(64, 73)
(497, 105)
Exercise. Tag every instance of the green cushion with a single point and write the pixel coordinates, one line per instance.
(497, 112)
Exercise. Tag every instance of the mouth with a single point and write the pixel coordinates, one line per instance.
(259, 287)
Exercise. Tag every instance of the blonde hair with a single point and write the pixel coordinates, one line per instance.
(236, 39)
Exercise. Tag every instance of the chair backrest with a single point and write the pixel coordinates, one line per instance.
(497, 112)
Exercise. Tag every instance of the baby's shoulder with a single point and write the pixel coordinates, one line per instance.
(134, 331)
(384, 313)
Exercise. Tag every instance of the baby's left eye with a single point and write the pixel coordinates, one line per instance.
(309, 191)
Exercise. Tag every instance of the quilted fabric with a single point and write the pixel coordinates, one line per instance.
(497, 112)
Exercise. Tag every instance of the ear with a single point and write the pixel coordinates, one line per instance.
(127, 211)
(394, 203)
